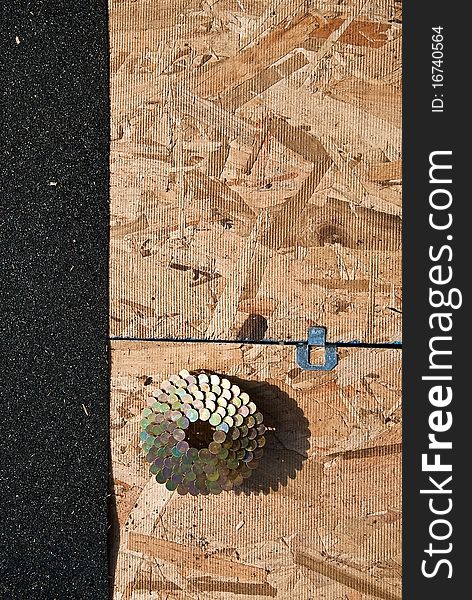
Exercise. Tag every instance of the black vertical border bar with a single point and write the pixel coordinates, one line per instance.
(54, 297)
(425, 132)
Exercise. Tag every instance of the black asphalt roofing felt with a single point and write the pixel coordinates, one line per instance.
(54, 173)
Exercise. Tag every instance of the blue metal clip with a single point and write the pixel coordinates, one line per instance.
(316, 337)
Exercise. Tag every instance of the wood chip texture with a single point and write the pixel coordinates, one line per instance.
(255, 192)
(255, 169)
(319, 518)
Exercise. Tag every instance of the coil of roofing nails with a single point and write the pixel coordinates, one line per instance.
(201, 434)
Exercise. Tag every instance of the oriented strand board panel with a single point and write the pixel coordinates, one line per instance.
(320, 519)
(256, 169)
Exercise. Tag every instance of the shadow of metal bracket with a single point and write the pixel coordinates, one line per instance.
(316, 338)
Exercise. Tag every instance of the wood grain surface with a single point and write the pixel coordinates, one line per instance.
(255, 169)
(255, 192)
(319, 519)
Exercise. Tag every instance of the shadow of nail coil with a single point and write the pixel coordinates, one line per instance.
(201, 434)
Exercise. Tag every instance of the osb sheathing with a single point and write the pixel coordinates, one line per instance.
(321, 516)
(255, 169)
(255, 192)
